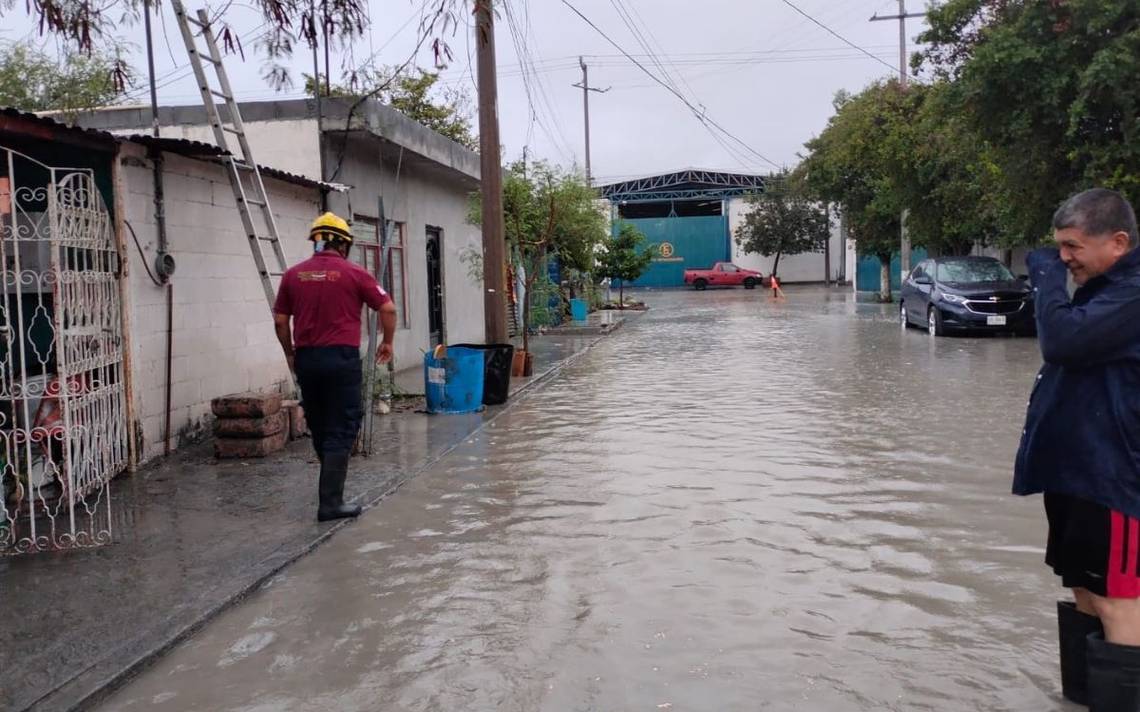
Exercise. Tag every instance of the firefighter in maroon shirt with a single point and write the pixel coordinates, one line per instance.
(323, 297)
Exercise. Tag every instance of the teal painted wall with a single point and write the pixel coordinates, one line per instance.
(697, 242)
(868, 276)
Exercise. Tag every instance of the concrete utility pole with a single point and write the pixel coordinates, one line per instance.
(904, 241)
(494, 247)
(584, 85)
(827, 248)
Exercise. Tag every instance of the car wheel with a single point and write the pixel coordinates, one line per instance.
(934, 322)
(701, 284)
(750, 283)
(904, 320)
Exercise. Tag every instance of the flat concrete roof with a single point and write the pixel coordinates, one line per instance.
(339, 115)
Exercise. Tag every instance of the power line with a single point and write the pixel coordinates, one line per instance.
(661, 49)
(554, 114)
(701, 115)
(840, 37)
(641, 39)
(534, 87)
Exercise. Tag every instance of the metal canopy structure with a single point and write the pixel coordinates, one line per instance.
(689, 184)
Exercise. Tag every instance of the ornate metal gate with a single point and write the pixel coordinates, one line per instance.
(63, 431)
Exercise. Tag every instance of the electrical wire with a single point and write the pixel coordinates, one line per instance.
(537, 98)
(840, 37)
(146, 264)
(702, 116)
(528, 60)
(641, 39)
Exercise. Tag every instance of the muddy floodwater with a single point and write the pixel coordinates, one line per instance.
(729, 504)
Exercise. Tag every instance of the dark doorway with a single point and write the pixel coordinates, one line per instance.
(435, 284)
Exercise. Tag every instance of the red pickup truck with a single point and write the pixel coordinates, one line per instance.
(723, 274)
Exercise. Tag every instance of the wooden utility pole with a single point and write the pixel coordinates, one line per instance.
(494, 247)
(584, 85)
(904, 236)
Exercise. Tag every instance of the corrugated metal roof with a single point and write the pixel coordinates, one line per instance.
(180, 146)
(56, 125)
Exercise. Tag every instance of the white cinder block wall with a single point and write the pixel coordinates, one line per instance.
(807, 267)
(421, 197)
(224, 340)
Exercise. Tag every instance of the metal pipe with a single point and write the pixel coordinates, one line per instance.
(169, 363)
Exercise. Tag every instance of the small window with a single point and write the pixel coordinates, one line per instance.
(397, 264)
(367, 250)
(729, 268)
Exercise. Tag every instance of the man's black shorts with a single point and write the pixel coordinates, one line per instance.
(1093, 547)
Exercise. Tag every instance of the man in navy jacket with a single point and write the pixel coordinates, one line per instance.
(1081, 443)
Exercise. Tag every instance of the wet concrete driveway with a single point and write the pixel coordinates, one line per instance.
(731, 504)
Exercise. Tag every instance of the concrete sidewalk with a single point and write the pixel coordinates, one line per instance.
(193, 535)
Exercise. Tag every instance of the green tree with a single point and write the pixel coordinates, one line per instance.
(851, 163)
(948, 178)
(783, 221)
(415, 94)
(626, 258)
(887, 149)
(1051, 88)
(546, 211)
(34, 81)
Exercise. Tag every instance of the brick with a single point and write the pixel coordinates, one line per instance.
(236, 448)
(246, 405)
(251, 427)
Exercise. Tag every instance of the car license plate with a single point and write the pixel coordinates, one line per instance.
(995, 320)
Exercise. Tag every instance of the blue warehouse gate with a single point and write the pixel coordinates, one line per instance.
(695, 242)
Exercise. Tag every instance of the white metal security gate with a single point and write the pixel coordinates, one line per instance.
(63, 431)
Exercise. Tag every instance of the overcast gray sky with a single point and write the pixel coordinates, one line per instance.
(761, 70)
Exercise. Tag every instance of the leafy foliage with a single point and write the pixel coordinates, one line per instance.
(1031, 102)
(546, 211)
(851, 164)
(783, 221)
(626, 257)
(89, 25)
(1051, 88)
(34, 81)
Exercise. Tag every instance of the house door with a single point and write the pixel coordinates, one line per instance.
(435, 285)
(63, 412)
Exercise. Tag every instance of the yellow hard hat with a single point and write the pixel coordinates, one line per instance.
(329, 227)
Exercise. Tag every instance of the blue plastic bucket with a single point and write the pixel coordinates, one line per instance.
(579, 309)
(454, 383)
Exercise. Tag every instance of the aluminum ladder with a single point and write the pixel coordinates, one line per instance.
(240, 166)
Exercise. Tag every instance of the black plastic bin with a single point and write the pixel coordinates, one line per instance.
(497, 361)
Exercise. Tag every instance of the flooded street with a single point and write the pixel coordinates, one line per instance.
(730, 504)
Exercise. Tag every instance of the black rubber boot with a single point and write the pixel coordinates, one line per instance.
(1073, 629)
(334, 468)
(1114, 676)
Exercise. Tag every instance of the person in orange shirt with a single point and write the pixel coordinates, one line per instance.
(777, 293)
